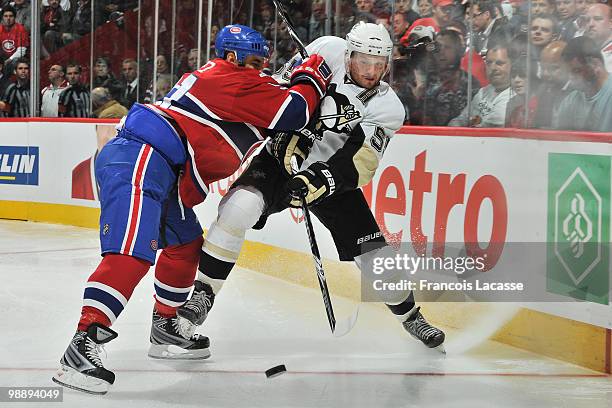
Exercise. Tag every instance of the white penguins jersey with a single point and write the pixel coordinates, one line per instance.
(354, 125)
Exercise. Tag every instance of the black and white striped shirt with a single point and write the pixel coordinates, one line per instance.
(74, 102)
(17, 97)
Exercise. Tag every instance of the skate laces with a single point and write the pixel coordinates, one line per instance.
(200, 303)
(93, 350)
(421, 328)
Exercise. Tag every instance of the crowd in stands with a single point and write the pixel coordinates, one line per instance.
(485, 63)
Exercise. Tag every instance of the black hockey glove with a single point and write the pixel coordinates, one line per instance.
(313, 70)
(284, 145)
(313, 185)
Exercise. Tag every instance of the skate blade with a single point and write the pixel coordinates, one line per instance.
(70, 378)
(343, 327)
(172, 352)
(440, 348)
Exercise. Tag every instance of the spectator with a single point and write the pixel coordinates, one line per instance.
(568, 16)
(544, 29)
(16, 100)
(191, 62)
(80, 22)
(103, 77)
(162, 69)
(442, 10)
(405, 7)
(75, 100)
(517, 105)
(487, 26)
(589, 107)
(445, 93)
(164, 85)
(131, 85)
(488, 107)
(14, 39)
(539, 7)
(517, 22)
(64, 4)
(52, 26)
(478, 68)
(104, 106)
(5, 79)
(50, 95)
(400, 26)
(554, 86)
(425, 8)
(23, 11)
(316, 22)
(599, 28)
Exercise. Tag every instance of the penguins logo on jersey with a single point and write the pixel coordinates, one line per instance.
(337, 113)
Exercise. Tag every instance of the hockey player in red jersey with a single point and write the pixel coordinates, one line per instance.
(153, 173)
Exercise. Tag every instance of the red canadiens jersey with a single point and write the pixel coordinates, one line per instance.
(221, 110)
(11, 40)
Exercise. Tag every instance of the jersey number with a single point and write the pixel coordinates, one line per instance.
(379, 140)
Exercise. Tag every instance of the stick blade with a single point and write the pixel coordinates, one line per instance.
(344, 326)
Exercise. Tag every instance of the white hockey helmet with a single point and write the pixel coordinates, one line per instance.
(369, 38)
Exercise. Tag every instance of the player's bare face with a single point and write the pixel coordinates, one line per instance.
(367, 70)
(255, 62)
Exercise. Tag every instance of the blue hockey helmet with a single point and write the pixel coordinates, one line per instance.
(242, 40)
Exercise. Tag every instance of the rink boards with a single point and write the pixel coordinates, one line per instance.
(435, 187)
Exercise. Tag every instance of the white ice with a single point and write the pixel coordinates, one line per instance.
(259, 322)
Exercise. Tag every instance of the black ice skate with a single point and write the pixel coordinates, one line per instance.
(82, 367)
(196, 309)
(418, 327)
(168, 343)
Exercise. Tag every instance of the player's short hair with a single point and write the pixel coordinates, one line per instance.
(103, 60)
(73, 65)
(22, 61)
(9, 8)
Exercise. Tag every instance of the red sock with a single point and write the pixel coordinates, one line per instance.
(176, 268)
(121, 273)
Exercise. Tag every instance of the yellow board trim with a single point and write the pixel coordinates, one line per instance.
(579, 343)
(52, 213)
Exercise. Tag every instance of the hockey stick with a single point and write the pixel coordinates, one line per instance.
(284, 15)
(344, 326)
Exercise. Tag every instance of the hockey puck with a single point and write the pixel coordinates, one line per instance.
(275, 371)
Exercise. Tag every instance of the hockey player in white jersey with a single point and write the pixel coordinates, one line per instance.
(338, 152)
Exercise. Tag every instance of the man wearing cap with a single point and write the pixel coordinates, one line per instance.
(442, 12)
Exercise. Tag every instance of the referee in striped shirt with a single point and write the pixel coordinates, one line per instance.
(16, 100)
(74, 102)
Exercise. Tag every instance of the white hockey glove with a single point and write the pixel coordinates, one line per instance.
(313, 185)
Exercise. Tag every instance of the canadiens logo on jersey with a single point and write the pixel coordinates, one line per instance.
(8, 46)
(337, 113)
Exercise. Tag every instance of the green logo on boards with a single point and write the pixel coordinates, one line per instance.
(578, 226)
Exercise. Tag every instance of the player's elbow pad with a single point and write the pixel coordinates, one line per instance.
(366, 163)
(294, 114)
